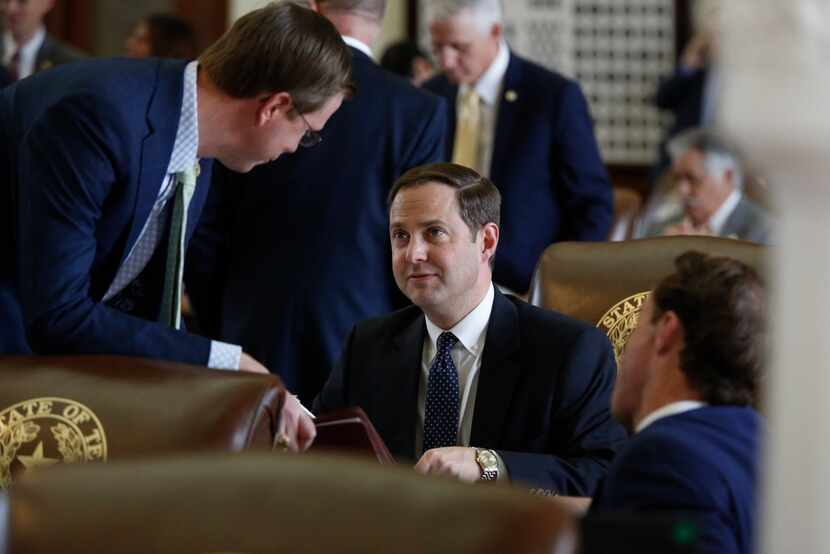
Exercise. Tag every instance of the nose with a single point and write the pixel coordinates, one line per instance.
(446, 58)
(416, 251)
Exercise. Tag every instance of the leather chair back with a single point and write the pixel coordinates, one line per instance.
(101, 408)
(606, 283)
(256, 503)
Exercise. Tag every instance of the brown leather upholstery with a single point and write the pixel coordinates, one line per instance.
(94, 408)
(257, 503)
(627, 204)
(585, 280)
(350, 430)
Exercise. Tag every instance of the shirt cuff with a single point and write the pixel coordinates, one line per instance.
(224, 355)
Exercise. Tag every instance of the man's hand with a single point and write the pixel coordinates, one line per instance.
(297, 430)
(247, 363)
(455, 461)
(697, 52)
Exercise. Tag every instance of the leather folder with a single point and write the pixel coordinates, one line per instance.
(350, 430)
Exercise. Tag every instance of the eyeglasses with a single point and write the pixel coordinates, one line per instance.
(310, 137)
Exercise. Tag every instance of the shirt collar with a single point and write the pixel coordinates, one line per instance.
(28, 50)
(718, 219)
(488, 87)
(362, 46)
(186, 144)
(674, 408)
(470, 331)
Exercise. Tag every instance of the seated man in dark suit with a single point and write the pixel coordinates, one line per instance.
(484, 385)
(688, 380)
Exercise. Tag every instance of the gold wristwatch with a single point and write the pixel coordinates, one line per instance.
(489, 464)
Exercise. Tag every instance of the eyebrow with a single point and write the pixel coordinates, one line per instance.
(423, 224)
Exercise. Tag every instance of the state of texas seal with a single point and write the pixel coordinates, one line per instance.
(46, 431)
(621, 320)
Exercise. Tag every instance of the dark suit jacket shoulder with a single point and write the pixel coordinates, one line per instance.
(542, 400)
(703, 463)
(89, 146)
(545, 162)
(54, 52)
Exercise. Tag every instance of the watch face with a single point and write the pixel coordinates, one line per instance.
(487, 459)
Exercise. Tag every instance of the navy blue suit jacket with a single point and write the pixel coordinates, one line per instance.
(84, 151)
(703, 463)
(546, 164)
(543, 393)
(5, 78)
(314, 226)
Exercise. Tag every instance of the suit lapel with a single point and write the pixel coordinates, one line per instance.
(452, 99)
(736, 220)
(399, 387)
(43, 59)
(500, 369)
(509, 98)
(162, 118)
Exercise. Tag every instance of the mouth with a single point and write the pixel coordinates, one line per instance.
(420, 277)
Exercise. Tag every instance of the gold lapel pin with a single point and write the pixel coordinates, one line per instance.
(46, 64)
(511, 96)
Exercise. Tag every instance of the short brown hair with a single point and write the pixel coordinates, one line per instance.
(722, 306)
(281, 48)
(479, 201)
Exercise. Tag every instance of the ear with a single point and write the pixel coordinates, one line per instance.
(496, 31)
(729, 178)
(272, 106)
(668, 334)
(313, 6)
(490, 240)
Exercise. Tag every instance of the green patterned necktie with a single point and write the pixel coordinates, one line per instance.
(171, 300)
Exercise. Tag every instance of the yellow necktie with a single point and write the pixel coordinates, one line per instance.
(465, 147)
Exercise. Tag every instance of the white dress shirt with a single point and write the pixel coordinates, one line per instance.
(466, 355)
(489, 89)
(28, 52)
(674, 408)
(718, 219)
(362, 46)
(185, 148)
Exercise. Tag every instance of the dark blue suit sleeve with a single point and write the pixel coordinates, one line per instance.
(662, 473)
(584, 435)
(585, 191)
(674, 89)
(69, 168)
(429, 146)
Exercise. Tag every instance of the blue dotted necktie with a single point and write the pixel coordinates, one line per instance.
(442, 403)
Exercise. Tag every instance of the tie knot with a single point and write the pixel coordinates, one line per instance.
(446, 341)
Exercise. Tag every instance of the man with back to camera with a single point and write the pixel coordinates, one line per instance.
(323, 209)
(526, 128)
(470, 382)
(688, 381)
(102, 162)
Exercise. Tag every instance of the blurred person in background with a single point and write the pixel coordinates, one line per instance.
(162, 36)
(406, 59)
(709, 178)
(26, 47)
